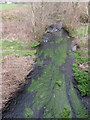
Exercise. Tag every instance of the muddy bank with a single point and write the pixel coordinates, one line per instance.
(50, 92)
(14, 70)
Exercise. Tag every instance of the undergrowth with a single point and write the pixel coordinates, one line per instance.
(81, 31)
(35, 44)
(82, 78)
(81, 56)
(80, 75)
(6, 44)
(21, 52)
(10, 47)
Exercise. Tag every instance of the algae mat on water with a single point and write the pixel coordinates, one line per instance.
(79, 108)
(50, 86)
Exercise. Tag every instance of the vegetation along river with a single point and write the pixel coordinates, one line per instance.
(50, 92)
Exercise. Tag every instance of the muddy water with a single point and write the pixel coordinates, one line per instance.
(50, 92)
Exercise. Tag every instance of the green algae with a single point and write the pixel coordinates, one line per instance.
(58, 83)
(56, 41)
(60, 54)
(39, 52)
(57, 55)
(44, 86)
(39, 62)
(48, 52)
(79, 108)
(62, 39)
(48, 93)
(28, 112)
(65, 113)
(58, 101)
(50, 87)
(70, 53)
(59, 40)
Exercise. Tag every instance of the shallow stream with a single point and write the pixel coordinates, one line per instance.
(50, 92)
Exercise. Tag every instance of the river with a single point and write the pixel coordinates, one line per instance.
(51, 91)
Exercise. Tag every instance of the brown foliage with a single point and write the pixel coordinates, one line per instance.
(45, 14)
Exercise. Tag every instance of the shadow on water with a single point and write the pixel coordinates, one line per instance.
(50, 92)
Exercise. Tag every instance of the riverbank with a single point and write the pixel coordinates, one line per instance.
(14, 70)
(17, 55)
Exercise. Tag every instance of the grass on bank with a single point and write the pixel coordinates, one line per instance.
(21, 52)
(81, 76)
(81, 31)
(6, 44)
(10, 47)
(79, 57)
(35, 44)
(11, 6)
(82, 79)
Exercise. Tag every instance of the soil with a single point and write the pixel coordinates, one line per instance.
(15, 67)
(16, 25)
(14, 70)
